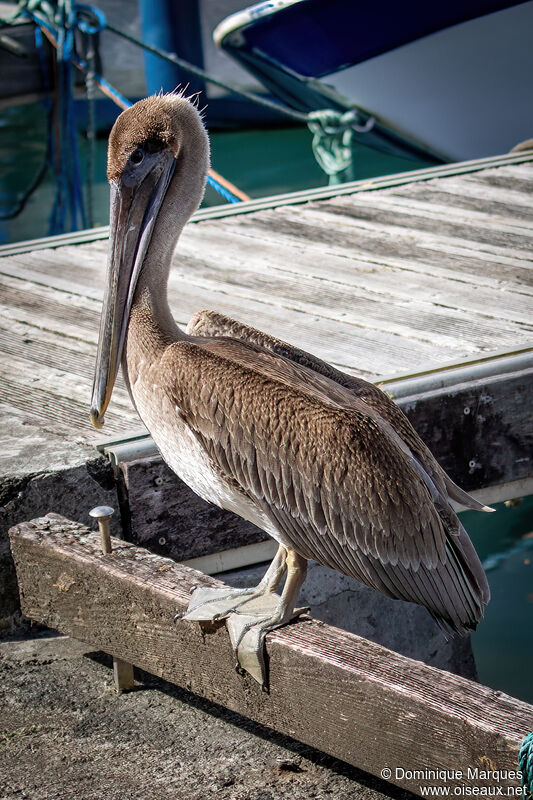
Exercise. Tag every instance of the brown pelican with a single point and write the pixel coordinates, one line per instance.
(323, 462)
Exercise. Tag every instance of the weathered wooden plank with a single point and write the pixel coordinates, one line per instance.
(333, 690)
(52, 380)
(367, 309)
(384, 346)
(480, 432)
(57, 274)
(164, 515)
(293, 326)
(514, 174)
(326, 295)
(392, 279)
(497, 203)
(526, 169)
(444, 338)
(59, 414)
(316, 222)
(476, 225)
(358, 219)
(508, 178)
(372, 223)
(188, 292)
(364, 306)
(47, 348)
(338, 231)
(49, 309)
(468, 186)
(346, 217)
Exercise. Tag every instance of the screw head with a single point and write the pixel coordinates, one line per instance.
(101, 512)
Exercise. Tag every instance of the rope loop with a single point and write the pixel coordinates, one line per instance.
(334, 122)
(332, 143)
(89, 19)
(525, 763)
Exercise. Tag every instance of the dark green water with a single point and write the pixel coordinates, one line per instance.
(259, 162)
(268, 162)
(503, 642)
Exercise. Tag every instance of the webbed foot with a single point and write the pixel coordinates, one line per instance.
(251, 613)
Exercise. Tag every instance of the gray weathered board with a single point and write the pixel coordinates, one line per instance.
(335, 691)
(379, 277)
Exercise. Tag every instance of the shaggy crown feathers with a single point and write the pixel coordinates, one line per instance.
(160, 118)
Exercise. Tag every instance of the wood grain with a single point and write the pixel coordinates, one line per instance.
(166, 516)
(335, 691)
(479, 431)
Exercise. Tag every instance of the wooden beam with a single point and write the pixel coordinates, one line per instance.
(330, 689)
(123, 675)
(480, 430)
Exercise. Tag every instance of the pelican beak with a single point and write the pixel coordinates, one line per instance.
(134, 205)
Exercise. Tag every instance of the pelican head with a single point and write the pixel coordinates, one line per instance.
(158, 157)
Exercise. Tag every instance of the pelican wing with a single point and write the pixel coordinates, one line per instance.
(212, 323)
(335, 479)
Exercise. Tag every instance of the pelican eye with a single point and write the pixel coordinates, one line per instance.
(149, 147)
(137, 156)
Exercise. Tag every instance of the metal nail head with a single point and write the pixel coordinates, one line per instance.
(102, 514)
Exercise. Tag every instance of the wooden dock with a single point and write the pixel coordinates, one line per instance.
(426, 275)
(392, 276)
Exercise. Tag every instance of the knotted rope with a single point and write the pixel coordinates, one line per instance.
(525, 763)
(333, 140)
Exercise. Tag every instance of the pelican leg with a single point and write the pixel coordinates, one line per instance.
(209, 604)
(248, 628)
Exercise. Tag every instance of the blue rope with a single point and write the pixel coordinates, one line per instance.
(61, 20)
(225, 193)
(89, 19)
(68, 210)
(83, 14)
(525, 763)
